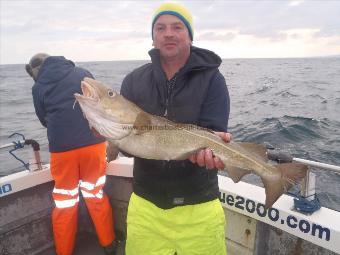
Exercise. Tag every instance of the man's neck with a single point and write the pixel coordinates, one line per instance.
(172, 66)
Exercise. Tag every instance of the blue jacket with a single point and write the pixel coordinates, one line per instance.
(198, 95)
(53, 98)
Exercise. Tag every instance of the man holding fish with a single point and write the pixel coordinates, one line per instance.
(167, 118)
(175, 207)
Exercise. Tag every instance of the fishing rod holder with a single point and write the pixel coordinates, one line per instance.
(307, 184)
(34, 164)
(306, 202)
(308, 190)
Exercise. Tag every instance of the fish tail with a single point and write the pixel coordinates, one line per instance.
(290, 174)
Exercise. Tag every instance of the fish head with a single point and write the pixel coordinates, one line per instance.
(106, 111)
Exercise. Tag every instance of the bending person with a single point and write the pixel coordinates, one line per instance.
(77, 156)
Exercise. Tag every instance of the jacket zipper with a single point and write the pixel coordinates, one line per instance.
(169, 86)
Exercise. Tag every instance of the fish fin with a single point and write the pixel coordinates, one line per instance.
(236, 173)
(259, 150)
(290, 174)
(142, 123)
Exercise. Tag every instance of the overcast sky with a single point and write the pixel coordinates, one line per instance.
(120, 30)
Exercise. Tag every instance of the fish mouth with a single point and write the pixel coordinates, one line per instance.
(89, 92)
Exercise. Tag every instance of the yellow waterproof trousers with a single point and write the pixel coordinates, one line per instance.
(183, 230)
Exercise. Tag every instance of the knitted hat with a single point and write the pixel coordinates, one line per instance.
(33, 67)
(177, 10)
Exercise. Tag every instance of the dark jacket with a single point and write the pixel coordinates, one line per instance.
(53, 98)
(197, 95)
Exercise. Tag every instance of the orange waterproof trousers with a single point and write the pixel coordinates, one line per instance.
(83, 169)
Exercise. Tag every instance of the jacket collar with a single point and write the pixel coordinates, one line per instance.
(199, 59)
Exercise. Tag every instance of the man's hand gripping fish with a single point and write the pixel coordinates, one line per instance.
(144, 135)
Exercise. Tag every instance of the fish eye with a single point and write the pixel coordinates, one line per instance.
(110, 93)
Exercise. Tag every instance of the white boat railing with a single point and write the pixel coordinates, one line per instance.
(11, 145)
(307, 196)
(35, 163)
(283, 157)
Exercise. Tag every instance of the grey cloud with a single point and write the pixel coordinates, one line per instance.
(212, 36)
(52, 21)
(59, 20)
(121, 36)
(266, 18)
(257, 18)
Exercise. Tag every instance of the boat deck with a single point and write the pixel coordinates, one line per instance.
(87, 244)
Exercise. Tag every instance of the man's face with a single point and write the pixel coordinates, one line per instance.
(171, 37)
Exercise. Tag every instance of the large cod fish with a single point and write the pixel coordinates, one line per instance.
(147, 136)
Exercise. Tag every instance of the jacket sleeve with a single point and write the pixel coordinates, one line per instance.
(216, 107)
(38, 105)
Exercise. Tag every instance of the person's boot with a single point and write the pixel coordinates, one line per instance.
(111, 249)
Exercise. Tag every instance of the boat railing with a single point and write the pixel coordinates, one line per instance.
(35, 163)
(307, 201)
(321, 228)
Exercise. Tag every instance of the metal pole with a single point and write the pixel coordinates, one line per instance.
(318, 164)
(308, 186)
(282, 157)
(35, 162)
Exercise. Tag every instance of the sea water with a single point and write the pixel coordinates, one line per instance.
(291, 104)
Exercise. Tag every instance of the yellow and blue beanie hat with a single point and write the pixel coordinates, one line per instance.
(177, 10)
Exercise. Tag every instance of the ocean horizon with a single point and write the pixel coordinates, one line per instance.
(148, 60)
